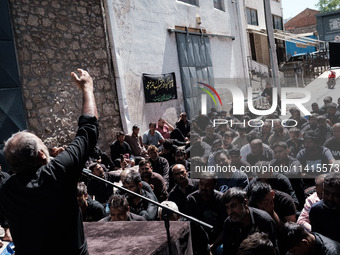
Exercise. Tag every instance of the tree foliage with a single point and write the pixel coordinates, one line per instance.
(328, 5)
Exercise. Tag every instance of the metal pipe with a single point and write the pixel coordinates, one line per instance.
(172, 30)
(86, 171)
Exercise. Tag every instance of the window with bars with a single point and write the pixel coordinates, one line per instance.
(252, 17)
(277, 22)
(192, 2)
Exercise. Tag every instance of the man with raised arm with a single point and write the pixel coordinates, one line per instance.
(40, 199)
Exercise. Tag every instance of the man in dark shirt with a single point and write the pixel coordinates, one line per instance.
(279, 205)
(44, 190)
(259, 152)
(333, 143)
(243, 221)
(120, 210)
(91, 210)
(295, 239)
(99, 190)
(313, 158)
(159, 164)
(184, 186)
(132, 181)
(120, 147)
(324, 130)
(206, 204)
(291, 169)
(183, 126)
(155, 180)
(324, 215)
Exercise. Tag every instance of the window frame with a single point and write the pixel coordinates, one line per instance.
(251, 15)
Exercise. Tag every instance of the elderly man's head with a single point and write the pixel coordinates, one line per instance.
(25, 153)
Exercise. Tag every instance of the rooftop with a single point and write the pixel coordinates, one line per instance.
(303, 19)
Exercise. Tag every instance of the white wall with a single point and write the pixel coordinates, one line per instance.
(141, 43)
(276, 9)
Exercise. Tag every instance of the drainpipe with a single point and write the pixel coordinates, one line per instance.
(239, 5)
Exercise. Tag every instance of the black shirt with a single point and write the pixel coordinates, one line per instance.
(94, 212)
(179, 197)
(212, 212)
(116, 149)
(325, 245)
(101, 191)
(325, 221)
(42, 209)
(334, 146)
(234, 233)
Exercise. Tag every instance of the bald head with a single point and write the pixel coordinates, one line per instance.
(336, 131)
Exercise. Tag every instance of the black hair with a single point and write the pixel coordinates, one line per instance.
(291, 235)
(236, 193)
(258, 192)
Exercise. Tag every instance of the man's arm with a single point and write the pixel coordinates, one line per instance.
(85, 83)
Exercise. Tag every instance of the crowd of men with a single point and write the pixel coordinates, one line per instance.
(283, 193)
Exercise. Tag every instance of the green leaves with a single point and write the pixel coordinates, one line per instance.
(328, 5)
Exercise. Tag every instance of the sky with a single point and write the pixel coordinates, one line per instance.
(293, 7)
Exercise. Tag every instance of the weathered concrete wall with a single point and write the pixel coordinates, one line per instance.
(53, 38)
(144, 45)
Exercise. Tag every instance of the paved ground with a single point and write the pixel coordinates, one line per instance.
(319, 90)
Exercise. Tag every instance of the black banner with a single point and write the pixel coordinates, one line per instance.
(159, 87)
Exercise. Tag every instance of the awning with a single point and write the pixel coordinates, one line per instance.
(289, 37)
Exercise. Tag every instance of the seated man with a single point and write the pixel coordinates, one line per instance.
(303, 219)
(229, 179)
(99, 190)
(120, 210)
(236, 159)
(100, 157)
(168, 151)
(197, 147)
(256, 244)
(295, 143)
(183, 186)
(172, 216)
(279, 205)
(164, 128)
(324, 215)
(333, 143)
(241, 139)
(324, 130)
(295, 239)
(159, 164)
(152, 136)
(313, 157)
(91, 210)
(243, 221)
(206, 204)
(210, 135)
(120, 147)
(136, 144)
(155, 180)
(132, 181)
(291, 169)
(182, 128)
(280, 133)
(259, 152)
